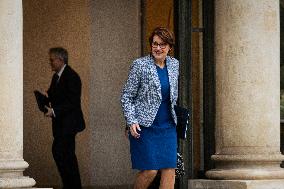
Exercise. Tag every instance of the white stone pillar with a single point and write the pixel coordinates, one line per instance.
(247, 49)
(247, 41)
(12, 164)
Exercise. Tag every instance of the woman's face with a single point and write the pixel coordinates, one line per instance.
(159, 48)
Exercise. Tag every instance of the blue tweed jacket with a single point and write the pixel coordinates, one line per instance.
(141, 96)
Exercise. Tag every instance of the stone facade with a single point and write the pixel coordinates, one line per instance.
(247, 99)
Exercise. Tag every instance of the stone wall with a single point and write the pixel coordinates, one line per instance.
(102, 38)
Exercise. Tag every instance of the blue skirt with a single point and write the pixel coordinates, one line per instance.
(155, 149)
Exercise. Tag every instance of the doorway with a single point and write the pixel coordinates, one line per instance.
(192, 22)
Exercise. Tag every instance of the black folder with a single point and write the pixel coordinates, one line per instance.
(42, 101)
(182, 121)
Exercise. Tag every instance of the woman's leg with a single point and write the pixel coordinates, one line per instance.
(167, 178)
(144, 179)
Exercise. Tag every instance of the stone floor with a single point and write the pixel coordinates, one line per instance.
(93, 187)
(236, 184)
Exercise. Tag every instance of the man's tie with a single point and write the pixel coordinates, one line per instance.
(54, 79)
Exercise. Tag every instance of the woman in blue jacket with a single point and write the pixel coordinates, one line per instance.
(148, 100)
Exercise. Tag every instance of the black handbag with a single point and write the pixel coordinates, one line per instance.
(179, 171)
(181, 128)
(182, 121)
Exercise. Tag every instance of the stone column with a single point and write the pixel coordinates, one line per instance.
(247, 54)
(247, 49)
(12, 164)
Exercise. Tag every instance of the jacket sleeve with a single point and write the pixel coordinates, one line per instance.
(129, 93)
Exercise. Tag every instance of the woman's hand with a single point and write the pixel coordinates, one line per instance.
(133, 130)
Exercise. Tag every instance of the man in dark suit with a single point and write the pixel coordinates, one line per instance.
(65, 110)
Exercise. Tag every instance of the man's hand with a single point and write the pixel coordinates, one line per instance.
(49, 112)
(43, 92)
(133, 130)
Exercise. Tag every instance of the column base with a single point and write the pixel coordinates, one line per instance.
(246, 174)
(247, 167)
(11, 174)
(236, 184)
(18, 182)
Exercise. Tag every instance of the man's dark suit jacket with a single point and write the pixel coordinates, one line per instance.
(65, 98)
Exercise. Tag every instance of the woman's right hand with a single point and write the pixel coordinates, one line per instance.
(133, 130)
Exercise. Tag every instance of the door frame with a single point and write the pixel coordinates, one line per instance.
(209, 83)
(183, 50)
(183, 28)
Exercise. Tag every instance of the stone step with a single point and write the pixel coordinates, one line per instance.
(236, 184)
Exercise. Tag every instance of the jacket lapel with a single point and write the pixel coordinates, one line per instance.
(170, 75)
(63, 75)
(155, 76)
